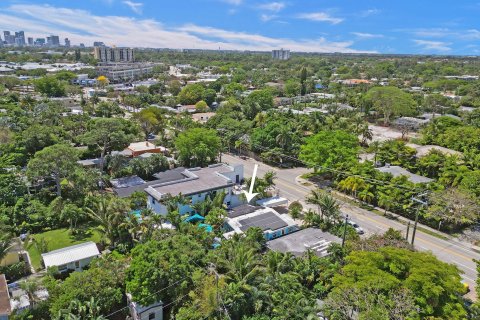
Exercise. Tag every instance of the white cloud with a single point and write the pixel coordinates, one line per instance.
(433, 32)
(369, 12)
(273, 6)
(363, 35)
(81, 26)
(471, 34)
(320, 16)
(135, 6)
(267, 17)
(433, 45)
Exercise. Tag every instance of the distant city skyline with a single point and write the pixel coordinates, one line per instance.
(18, 39)
(406, 27)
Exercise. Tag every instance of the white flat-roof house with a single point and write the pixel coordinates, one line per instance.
(150, 312)
(272, 223)
(197, 184)
(71, 258)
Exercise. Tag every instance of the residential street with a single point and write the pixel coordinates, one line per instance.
(450, 251)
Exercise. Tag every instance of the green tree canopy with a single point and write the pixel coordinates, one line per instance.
(390, 101)
(329, 149)
(191, 94)
(56, 161)
(198, 146)
(374, 284)
(50, 86)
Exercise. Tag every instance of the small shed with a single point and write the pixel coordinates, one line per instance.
(71, 258)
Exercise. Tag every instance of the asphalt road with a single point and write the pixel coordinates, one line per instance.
(449, 251)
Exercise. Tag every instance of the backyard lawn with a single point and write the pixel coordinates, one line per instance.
(60, 238)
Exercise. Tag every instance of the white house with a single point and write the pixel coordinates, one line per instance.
(71, 258)
(196, 184)
(272, 223)
(139, 312)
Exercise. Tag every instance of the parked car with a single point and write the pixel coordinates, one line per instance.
(356, 227)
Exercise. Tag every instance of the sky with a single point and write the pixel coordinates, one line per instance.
(350, 26)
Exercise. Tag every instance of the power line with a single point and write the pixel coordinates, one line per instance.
(150, 295)
(158, 291)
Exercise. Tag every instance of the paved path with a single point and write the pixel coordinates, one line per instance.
(451, 250)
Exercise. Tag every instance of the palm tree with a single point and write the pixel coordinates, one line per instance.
(366, 133)
(110, 213)
(30, 287)
(6, 243)
(315, 198)
(241, 145)
(385, 200)
(311, 218)
(352, 184)
(284, 136)
(366, 195)
(330, 207)
(269, 178)
(260, 119)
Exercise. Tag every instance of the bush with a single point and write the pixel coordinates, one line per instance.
(15, 271)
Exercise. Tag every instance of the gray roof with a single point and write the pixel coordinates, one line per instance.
(70, 254)
(193, 181)
(126, 182)
(242, 210)
(127, 192)
(264, 221)
(397, 171)
(131, 184)
(299, 242)
(89, 162)
(170, 175)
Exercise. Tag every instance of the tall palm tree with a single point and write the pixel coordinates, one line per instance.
(241, 145)
(366, 133)
(315, 198)
(352, 184)
(330, 207)
(284, 136)
(110, 213)
(366, 194)
(269, 178)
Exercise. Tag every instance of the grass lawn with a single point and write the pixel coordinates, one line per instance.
(61, 238)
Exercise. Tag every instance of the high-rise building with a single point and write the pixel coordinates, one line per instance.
(30, 41)
(67, 43)
(98, 44)
(109, 55)
(82, 45)
(53, 41)
(9, 38)
(281, 54)
(39, 42)
(20, 38)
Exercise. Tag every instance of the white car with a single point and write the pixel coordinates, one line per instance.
(356, 227)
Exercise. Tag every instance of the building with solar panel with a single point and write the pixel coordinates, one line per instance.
(273, 224)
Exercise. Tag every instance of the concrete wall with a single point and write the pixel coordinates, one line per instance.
(82, 264)
(10, 258)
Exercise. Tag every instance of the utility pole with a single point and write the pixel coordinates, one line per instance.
(213, 269)
(422, 203)
(408, 230)
(345, 231)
